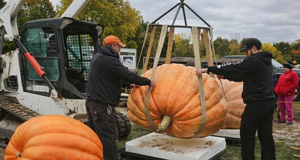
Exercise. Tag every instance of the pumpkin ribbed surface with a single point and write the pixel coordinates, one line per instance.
(233, 93)
(176, 95)
(54, 137)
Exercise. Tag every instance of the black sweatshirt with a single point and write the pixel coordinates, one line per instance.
(256, 73)
(106, 75)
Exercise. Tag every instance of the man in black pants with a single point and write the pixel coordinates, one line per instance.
(256, 73)
(106, 76)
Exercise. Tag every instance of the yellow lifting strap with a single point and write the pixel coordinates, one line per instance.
(212, 49)
(200, 80)
(149, 48)
(156, 59)
(206, 41)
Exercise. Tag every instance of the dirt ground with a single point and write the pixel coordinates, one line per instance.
(288, 134)
(282, 133)
(2, 151)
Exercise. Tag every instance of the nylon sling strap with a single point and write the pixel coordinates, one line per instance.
(149, 48)
(200, 81)
(156, 59)
(206, 42)
(213, 52)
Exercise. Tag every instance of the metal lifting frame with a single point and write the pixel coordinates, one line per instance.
(181, 4)
(196, 34)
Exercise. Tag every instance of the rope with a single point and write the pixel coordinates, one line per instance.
(156, 59)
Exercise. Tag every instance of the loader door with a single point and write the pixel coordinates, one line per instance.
(42, 43)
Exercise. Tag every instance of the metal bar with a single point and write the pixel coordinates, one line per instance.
(184, 16)
(176, 14)
(177, 26)
(75, 8)
(197, 15)
(165, 13)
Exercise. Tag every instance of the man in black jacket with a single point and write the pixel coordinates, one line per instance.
(106, 77)
(256, 73)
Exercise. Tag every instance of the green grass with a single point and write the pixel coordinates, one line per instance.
(283, 151)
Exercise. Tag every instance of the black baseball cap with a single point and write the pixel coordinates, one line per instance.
(251, 42)
(288, 65)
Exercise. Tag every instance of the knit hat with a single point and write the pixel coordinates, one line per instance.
(288, 65)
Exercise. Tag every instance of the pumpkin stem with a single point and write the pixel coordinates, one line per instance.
(164, 123)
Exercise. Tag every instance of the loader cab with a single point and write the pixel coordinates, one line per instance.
(63, 47)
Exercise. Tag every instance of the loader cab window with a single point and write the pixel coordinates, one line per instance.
(80, 49)
(41, 42)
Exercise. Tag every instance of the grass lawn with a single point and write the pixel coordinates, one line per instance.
(283, 150)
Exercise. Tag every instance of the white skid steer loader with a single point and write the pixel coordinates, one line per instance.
(48, 72)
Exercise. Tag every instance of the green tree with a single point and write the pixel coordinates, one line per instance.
(221, 47)
(2, 3)
(117, 17)
(284, 47)
(234, 47)
(271, 49)
(296, 45)
(181, 44)
(35, 10)
(32, 10)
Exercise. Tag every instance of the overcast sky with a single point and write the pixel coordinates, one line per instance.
(268, 20)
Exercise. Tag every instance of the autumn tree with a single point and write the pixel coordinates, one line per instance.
(117, 17)
(234, 47)
(35, 10)
(271, 49)
(221, 47)
(296, 45)
(284, 47)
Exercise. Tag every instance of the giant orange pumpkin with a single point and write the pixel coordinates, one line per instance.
(233, 95)
(176, 95)
(54, 137)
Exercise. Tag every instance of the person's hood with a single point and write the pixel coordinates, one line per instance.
(106, 50)
(266, 57)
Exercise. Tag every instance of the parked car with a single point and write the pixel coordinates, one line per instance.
(277, 70)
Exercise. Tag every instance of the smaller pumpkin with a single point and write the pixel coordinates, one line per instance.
(235, 104)
(54, 137)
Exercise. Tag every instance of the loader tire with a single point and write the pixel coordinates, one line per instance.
(123, 125)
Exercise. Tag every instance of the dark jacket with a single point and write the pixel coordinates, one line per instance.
(255, 72)
(287, 84)
(106, 75)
